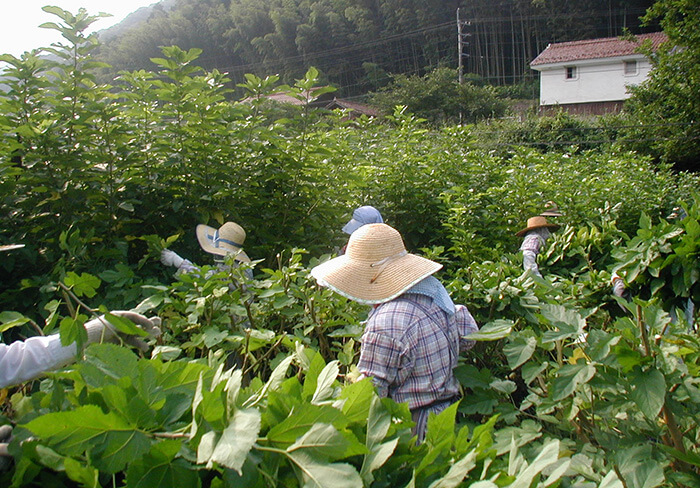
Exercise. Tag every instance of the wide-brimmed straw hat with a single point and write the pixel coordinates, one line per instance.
(375, 268)
(364, 215)
(227, 239)
(551, 210)
(536, 223)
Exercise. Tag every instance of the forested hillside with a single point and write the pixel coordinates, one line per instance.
(355, 44)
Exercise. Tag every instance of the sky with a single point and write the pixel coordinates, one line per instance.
(20, 20)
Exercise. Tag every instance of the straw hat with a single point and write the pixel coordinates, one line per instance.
(363, 216)
(375, 268)
(536, 223)
(227, 239)
(551, 210)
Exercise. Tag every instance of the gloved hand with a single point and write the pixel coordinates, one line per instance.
(170, 258)
(5, 438)
(100, 329)
(618, 285)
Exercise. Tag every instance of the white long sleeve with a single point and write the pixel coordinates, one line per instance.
(25, 360)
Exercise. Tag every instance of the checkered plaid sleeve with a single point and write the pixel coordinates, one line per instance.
(380, 358)
(532, 242)
(465, 325)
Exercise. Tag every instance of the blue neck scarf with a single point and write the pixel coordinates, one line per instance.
(432, 288)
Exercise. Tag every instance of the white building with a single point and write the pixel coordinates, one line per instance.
(592, 76)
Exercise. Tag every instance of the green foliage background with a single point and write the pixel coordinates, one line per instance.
(251, 383)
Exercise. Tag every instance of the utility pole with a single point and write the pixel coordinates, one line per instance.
(460, 45)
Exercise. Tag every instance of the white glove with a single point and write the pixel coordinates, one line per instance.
(5, 438)
(618, 285)
(100, 329)
(170, 258)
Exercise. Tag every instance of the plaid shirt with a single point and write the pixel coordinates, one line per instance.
(534, 240)
(410, 347)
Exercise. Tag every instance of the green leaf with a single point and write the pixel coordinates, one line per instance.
(639, 468)
(548, 455)
(86, 475)
(83, 285)
(300, 421)
(519, 349)
(492, 331)
(237, 440)
(149, 304)
(457, 472)
(357, 398)
(324, 475)
(322, 441)
(11, 319)
(325, 380)
(73, 331)
(569, 377)
(125, 326)
(109, 440)
(649, 392)
(379, 455)
(441, 427)
(160, 468)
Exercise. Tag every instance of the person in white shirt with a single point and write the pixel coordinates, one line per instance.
(534, 236)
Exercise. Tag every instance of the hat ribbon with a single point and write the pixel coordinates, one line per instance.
(216, 239)
(382, 263)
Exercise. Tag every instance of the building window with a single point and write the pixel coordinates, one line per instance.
(631, 67)
(571, 72)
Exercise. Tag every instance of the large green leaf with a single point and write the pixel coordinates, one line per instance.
(160, 469)
(111, 442)
(639, 467)
(569, 377)
(649, 392)
(378, 424)
(324, 385)
(548, 455)
(300, 421)
(457, 472)
(357, 398)
(325, 442)
(237, 440)
(492, 331)
(519, 349)
(318, 474)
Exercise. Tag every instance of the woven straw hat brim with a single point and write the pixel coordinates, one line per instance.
(353, 278)
(528, 229)
(205, 236)
(551, 213)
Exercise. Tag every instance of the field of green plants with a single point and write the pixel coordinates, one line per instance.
(568, 386)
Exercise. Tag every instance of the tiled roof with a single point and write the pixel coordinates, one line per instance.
(355, 106)
(607, 47)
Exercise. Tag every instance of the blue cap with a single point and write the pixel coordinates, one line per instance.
(362, 216)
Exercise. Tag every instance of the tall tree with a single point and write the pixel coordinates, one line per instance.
(667, 105)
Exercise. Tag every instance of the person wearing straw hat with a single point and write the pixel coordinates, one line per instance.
(414, 332)
(364, 215)
(361, 216)
(227, 239)
(534, 236)
(551, 210)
